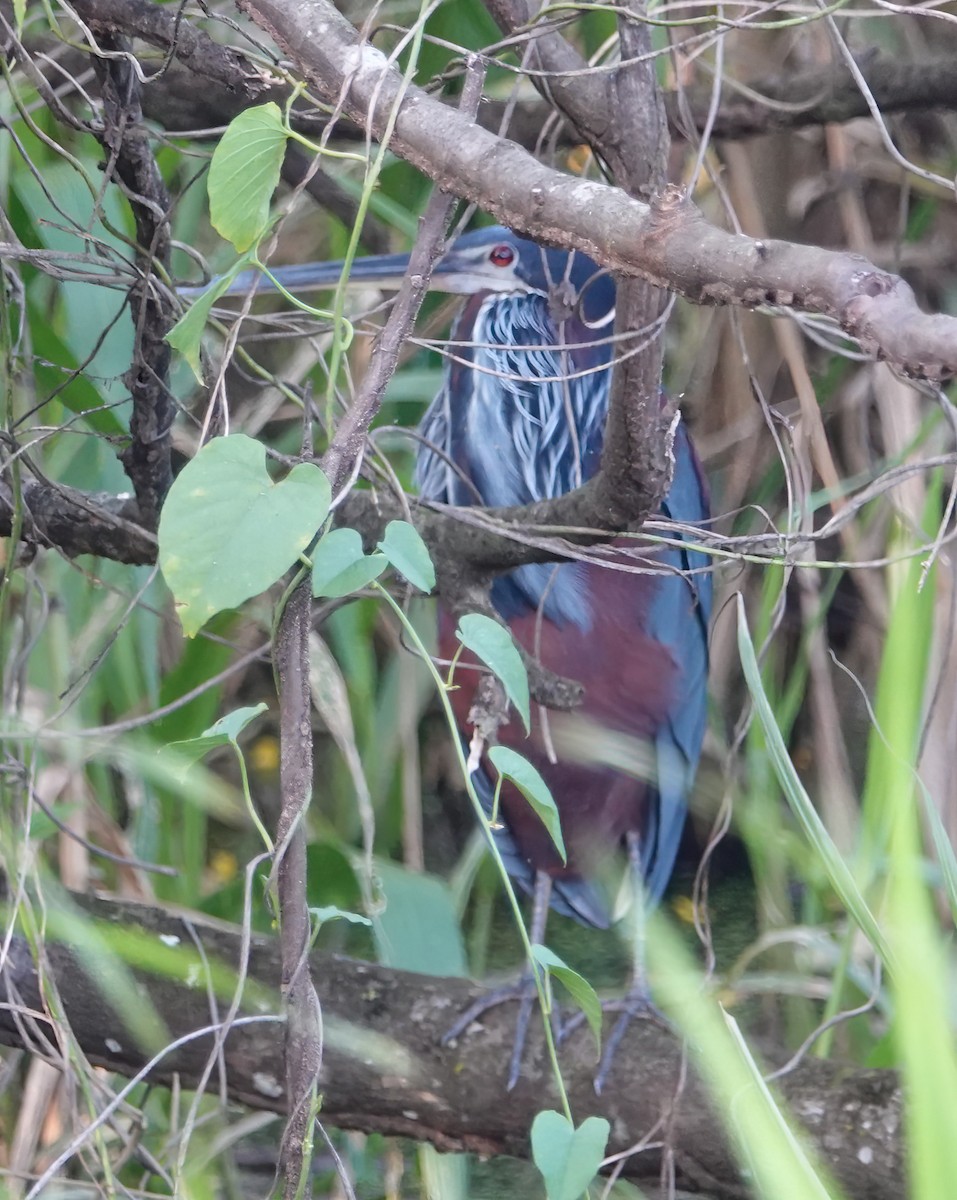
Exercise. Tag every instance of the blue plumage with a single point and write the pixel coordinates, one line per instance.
(520, 417)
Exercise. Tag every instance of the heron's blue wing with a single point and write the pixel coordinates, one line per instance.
(679, 618)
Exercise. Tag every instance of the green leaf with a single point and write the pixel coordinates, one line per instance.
(232, 724)
(892, 838)
(330, 912)
(228, 532)
(493, 644)
(444, 1176)
(535, 790)
(224, 732)
(404, 548)
(777, 1161)
(340, 566)
(838, 872)
(244, 173)
(186, 336)
(44, 825)
(418, 928)
(568, 1158)
(580, 990)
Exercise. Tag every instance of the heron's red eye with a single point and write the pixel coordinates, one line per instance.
(501, 256)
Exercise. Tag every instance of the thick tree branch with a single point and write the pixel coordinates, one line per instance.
(384, 1070)
(621, 115)
(667, 242)
(639, 429)
(78, 522)
(303, 1046)
(212, 83)
(828, 95)
(463, 542)
(167, 29)
(561, 75)
(131, 163)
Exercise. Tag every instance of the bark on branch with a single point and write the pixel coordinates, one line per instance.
(667, 242)
(131, 164)
(383, 1068)
(78, 522)
(205, 84)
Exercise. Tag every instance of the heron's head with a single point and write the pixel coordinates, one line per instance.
(486, 260)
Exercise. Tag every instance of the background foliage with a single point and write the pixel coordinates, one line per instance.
(827, 801)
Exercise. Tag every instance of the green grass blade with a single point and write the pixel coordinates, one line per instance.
(837, 869)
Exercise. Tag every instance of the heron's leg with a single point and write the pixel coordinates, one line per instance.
(536, 935)
(523, 990)
(636, 1001)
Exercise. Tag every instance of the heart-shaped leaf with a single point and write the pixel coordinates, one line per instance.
(228, 532)
(224, 732)
(340, 566)
(568, 1158)
(331, 912)
(405, 550)
(244, 173)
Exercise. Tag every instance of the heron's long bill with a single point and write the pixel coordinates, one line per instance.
(384, 270)
(463, 270)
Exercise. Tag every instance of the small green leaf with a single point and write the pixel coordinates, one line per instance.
(494, 646)
(418, 928)
(580, 990)
(232, 724)
(224, 732)
(228, 532)
(340, 567)
(244, 173)
(404, 548)
(329, 912)
(535, 790)
(186, 336)
(568, 1158)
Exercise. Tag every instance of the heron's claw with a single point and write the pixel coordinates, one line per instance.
(636, 1005)
(523, 991)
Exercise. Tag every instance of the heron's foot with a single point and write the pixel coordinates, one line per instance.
(524, 992)
(635, 1005)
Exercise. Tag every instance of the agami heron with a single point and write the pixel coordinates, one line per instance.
(520, 417)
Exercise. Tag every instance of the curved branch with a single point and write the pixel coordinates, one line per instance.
(828, 95)
(166, 28)
(669, 242)
(218, 82)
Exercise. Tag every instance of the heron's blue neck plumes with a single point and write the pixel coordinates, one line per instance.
(522, 410)
(536, 416)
